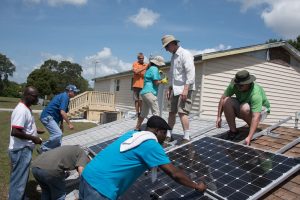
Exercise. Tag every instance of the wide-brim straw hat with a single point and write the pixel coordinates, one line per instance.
(157, 60)
(243, 77)
(167, 39)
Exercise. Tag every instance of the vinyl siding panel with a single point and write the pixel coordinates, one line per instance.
(102, 86)
(125, 95)
(196, 99)
(281, 84)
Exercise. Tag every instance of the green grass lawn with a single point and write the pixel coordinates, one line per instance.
(9, 102)
(4, 141)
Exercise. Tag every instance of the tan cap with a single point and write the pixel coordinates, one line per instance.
(166, 39)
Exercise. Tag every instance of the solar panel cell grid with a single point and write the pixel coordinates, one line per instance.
(231, 171)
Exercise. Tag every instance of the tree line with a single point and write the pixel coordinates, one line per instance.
(50, 78)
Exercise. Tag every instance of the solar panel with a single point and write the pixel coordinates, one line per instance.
(231, 171)
(95, 149)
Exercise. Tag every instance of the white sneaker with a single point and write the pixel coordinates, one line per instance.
(38, 188)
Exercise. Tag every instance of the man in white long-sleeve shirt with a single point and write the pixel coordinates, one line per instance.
(181, 84)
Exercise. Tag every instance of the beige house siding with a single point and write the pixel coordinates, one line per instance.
(103, 85)
(197, 93)
(281, 84)
(124, 95)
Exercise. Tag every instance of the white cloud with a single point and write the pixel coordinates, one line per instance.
(220, 47)
(105, 62)
(282, 16)
(145, 18)
(58, 2)
(57, 57)
(22, 72)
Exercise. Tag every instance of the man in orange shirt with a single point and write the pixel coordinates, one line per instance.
(139, 69)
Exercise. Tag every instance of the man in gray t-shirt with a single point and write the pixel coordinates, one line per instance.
(49, 169)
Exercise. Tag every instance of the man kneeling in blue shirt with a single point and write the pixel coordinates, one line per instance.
(117, 166)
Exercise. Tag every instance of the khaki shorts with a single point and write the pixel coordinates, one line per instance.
(237, 105)
(176, 105)
(149, 103)
(136, 94)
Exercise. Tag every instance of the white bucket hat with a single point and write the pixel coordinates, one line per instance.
(166, 39)
(158, 60)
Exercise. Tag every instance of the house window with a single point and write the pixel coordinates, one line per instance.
(117, 84)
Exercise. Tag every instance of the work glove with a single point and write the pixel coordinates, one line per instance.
(164, 80)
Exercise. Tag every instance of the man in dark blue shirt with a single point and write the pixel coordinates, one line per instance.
(53, 115)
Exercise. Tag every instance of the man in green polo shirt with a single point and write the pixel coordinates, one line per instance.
(249, 104)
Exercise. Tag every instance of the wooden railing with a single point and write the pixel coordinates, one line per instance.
(102, 98)
(95, 99)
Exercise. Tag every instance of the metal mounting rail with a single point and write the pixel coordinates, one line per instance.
(288, 146)
(269, 129)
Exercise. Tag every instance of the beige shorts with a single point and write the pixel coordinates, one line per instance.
(237, 106)
(149, 103)
(136, 94)
(176, 105)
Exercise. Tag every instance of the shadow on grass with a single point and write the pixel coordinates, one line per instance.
(31, 191)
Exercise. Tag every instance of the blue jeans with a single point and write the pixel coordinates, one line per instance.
(55, 134)
(52, 187)
(20, 161)
(87, 192)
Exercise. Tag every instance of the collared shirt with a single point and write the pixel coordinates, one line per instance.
(182, 71)
(138, 77)
(22, 118)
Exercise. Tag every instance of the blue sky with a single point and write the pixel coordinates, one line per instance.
(112, 32)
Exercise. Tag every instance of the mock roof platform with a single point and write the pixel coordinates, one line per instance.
(200, 128)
